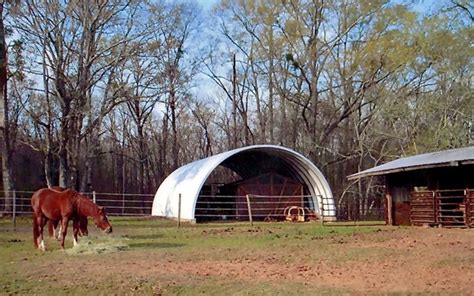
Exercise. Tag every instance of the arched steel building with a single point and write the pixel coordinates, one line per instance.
(189, 180)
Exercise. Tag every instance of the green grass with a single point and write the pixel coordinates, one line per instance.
(23, 269)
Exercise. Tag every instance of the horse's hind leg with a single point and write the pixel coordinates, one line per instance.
(41, 222)
(64, 223)
(75, 230)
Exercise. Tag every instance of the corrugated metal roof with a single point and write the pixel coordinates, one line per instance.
(189, 179)
(453, 157)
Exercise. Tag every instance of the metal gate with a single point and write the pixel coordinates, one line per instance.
(470, 208)
(451, 208)
(446, 208)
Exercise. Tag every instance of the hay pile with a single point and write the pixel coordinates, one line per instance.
(87, 246)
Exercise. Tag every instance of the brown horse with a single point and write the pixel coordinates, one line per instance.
(63, 206)
(79, 226)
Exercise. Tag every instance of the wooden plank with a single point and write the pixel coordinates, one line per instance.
(422, 208)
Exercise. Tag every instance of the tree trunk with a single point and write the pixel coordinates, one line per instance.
(63, 166)
(141, 165)
(174, 147)
(164, 145)
(5, 122)
(48, 156)
(271, 70)
(234, 103)
(47, 169)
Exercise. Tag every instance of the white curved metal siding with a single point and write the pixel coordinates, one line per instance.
(189, 179)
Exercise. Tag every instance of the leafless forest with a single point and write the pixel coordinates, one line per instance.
(114, 95)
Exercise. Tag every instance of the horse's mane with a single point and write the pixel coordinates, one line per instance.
(58, 189)
(84, 206)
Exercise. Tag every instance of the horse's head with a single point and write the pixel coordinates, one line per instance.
(102, 221)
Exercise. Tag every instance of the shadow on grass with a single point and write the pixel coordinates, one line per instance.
(143, 236)
(357, 223)
(155, 245)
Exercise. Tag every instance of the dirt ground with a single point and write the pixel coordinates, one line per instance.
(393, 260)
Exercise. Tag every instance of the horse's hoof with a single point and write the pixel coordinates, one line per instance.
(42, 246)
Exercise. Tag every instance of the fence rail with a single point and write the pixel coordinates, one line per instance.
(117, 204)
(264, 207)
(207, 207)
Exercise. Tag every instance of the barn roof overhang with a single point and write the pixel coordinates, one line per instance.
(249, 161)
(445, 158)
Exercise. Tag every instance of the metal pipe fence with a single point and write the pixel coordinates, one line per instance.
(263, 207)
(116, 204)
(209, 207)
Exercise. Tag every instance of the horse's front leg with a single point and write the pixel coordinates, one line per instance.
(58, 231)
(54, 229)
(51, 228)
(64, 224)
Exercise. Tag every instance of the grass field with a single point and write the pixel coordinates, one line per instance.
(153, 257)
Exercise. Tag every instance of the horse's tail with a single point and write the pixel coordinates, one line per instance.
(35, 230)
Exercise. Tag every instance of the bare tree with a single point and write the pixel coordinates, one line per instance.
(80, 49)
(5, 126)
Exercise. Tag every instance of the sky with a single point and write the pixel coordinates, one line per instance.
(207, 4)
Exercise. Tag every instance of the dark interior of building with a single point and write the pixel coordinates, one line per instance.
(272, 184)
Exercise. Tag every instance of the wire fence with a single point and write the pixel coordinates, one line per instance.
(263, 208)
(117, 204)
(213, 207)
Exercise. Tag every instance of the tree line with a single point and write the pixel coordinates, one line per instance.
(113, 95)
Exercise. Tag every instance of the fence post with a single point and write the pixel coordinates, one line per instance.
(93, 196)
(123, 204)
(179, 210)
(322, 210)
(14, 210)
(249, 209)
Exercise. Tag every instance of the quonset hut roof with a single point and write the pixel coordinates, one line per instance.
(189, 179)
(453, 157)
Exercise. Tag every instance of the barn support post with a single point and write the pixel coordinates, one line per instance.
(14, 210)
(469, 208)
(93, 196)
(179, 210)
(389, 210)
(249, 209)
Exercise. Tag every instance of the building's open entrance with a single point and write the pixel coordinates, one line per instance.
(262, 182)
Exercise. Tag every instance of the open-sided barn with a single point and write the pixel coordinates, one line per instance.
(276, 179)
(283, 192)
(433, 188)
